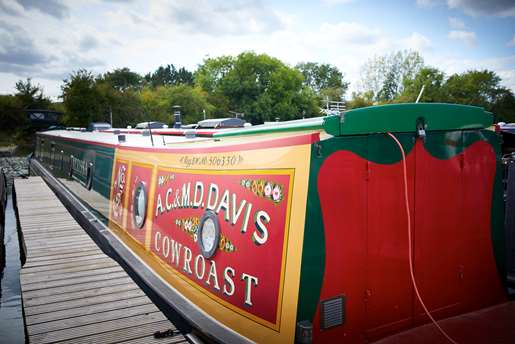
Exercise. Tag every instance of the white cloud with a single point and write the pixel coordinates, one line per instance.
(456, 23)
(512, 42)
(350, 33)
(467, 37)
(234, 17)
(508, 78)
(500, 8)
(416, 41)
(53, 8)
(142, 37)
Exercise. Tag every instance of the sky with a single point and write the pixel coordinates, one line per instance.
(47, 40)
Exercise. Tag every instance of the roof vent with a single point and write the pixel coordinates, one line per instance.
(190, 134)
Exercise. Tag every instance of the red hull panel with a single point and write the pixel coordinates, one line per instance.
(366, 237)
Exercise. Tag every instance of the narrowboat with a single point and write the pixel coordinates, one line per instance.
(343, 228)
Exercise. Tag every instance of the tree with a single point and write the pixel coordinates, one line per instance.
(125, 106)
(260, 86)
(384, 75)
(123, 79)
(208, 77)
(481, 88)
(212, 71)
(11, 113)
(169, 75)
(325, 80)
(30, 95)
(504, 107)
(432, 80)
(359, 100)
(82, 99)
(157, 103)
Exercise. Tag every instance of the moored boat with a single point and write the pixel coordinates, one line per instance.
(302, 230)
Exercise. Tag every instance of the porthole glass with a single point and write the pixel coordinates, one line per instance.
(139, 205)
(209, 234)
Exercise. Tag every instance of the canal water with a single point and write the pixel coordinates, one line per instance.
(11, 314)
(12, 329)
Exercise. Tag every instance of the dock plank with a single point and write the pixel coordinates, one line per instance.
(72, 292)
(81, 294)
(95, 309)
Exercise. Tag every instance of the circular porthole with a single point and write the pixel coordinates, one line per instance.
(208, 234)
(139, 205)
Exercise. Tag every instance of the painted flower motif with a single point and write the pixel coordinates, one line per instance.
(187, 225)
(195, 237)
(242, 182)
(276, 193)
(268, 189)
(260, 187)
(247, 184)
(254, 187)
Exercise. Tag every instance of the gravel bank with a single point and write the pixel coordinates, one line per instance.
(14, 167)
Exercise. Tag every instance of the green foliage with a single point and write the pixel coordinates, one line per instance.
(157, 103)
(359, 100)
(473, 87)
(479, 88)
(325, 80)
(169, 75)
(123, 79)
(125, 106)
(82, 100)
(433, 81)
(260, 86)
(504, 106)
(30, 95)
(384, 76)
(12, 115)
(210, 73)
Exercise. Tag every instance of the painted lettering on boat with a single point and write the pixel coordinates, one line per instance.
(79, 166)
(246, 272)
(219, 279)
(234, 210)
(223, 160)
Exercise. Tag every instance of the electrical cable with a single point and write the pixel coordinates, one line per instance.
(410, 248)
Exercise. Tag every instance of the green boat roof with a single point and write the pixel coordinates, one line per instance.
(383, 118)
(404, 118)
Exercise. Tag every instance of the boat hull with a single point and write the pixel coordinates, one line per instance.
(302, 224)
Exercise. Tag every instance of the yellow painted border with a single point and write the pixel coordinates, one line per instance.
(275, 158)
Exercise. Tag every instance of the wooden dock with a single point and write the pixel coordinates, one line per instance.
(72, 292)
